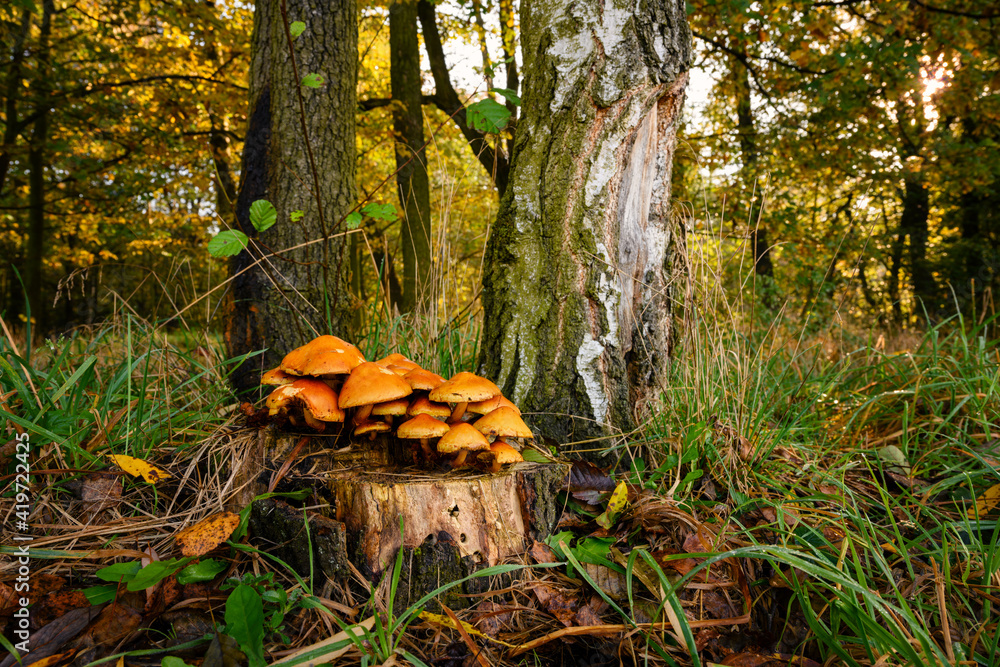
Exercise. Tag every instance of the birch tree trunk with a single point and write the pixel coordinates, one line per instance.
(580, 278)
(299, 162)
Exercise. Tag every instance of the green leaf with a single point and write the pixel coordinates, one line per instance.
(313, 80)
(383, 212)
(173, 661)
(595, 550)
(533, 455)
(262, 215)
(296, 28)
(553, 541)
(297, 215)
(119, 572)
(205, 570)
(508, 95)
(353, 220)
(156, 572)
(100, 594)
(245, 622)
(487, 116)
(227, 243)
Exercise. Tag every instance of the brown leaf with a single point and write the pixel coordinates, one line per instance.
(490, 618)
(56, 604)
(116, 622)
(588, 483)
(50, 638)
(100, 491)
(207, 534)
(542, 553)
(556, 603)
(590, 613)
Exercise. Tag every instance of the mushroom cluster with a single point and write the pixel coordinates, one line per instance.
(321, 381)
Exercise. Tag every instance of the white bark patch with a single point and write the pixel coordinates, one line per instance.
(588, 365)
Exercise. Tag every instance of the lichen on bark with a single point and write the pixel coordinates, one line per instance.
(578, 281)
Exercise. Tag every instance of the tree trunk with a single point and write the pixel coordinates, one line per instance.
(913, 223)
(750, 156)
(299, 159)
(411, 159)
(225, 187)
(578, 294)
(36, 181)
(12, 94)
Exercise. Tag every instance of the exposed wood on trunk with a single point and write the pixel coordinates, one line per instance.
(578, 283)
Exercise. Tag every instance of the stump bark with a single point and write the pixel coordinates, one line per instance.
(449, 524)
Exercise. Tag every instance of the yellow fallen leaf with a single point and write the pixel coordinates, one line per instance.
(210, 532)
(439, 619)
(986, 503)
(616, 505)
(139, 468)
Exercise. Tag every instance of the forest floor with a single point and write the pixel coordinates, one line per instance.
(796, 499)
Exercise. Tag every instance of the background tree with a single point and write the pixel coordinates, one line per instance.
(578, 289)
(292, 283)
(411, 158)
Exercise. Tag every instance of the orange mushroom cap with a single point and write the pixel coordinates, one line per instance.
(503, 422)
(370, 383)
(312, 394)
(462, 437)
(326, 355)
(464, 387)
(422, 427)
(425, 406)
(491, 404)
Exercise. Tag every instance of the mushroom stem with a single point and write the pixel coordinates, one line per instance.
(425, 445)
(456, 415)
(495, 467)
(459, 459)
(312, 421)
(362, 414)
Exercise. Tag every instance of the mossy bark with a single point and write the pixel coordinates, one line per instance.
(581, 275)
(282, 301)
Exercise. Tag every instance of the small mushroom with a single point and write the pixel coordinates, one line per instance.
(423, 380)
(371, 429)
(423, 428)
(276, 377)
(502, 454)
(461, 389)
(425, 406)
(368, 384)
(318, 401)
(503, 422)
(491, 404)
(460, 440)
(390, 409)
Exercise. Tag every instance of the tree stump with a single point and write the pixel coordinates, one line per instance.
(450, 524)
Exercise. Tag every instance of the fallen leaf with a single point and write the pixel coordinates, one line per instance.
(588, 483)
(139, 468)
(491, 618)
(448, 622)
(986, 503)
(100, 491)
(207, 534)
(561, 606)
(542, 553)
(616, 505)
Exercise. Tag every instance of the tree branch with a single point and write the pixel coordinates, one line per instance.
(745, 58)
(447, 100)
